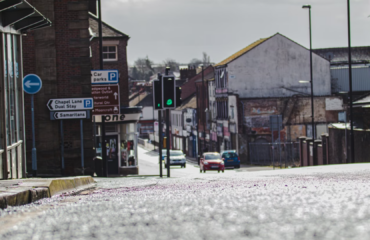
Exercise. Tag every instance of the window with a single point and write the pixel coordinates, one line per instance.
(110, 53)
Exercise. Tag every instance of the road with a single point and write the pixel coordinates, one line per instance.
(324, 202)
(148, 165)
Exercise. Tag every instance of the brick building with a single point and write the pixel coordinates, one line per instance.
(202, 108)
(63, 56)
(114, 53)
(60, 55)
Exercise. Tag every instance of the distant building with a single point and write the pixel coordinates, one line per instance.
(338, 58)
(263, 80)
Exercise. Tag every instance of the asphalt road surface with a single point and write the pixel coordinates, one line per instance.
(327, 202)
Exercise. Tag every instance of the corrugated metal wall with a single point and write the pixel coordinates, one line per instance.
(360, 79)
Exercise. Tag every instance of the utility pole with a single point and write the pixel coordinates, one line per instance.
(203, 110)
(104, 152)
(168, 131)
(350, 83)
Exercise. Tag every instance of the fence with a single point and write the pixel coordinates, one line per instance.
(278, 154)
(314, 152)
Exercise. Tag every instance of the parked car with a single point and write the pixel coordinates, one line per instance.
(211, 161)
(177, 157)
(231, 158)
(164, 154)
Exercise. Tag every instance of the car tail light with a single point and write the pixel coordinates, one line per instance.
(238, 158)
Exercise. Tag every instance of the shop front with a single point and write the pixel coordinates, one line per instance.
(120, 141)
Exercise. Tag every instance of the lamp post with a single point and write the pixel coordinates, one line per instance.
(350, 83)
(312, 109)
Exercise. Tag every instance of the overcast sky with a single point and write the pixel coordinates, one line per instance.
(183, 29)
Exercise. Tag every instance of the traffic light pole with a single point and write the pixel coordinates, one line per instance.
(160, 142)
(168, 141)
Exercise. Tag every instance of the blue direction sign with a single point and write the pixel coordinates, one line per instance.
(32, 84)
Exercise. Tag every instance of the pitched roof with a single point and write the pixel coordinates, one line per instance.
(340, 55)
(142, 99)
(252, 46)
(189, 87)
(107, 30)
(189, 103)
(243, 51)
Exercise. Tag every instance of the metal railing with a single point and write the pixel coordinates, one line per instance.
(276, 154)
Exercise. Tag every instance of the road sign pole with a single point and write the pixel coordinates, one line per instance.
(82, 147)
(168, 141)
(160, 142)
(34, 158)
(62, 145)
(104, 147)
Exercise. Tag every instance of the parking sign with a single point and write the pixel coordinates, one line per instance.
(104, 76)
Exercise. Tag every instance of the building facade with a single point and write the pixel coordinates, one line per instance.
(63, 56)
(264, 80)
(12, 127)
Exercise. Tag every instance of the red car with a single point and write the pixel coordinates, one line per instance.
(211, 161)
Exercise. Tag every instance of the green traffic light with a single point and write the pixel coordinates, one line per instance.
(169, 102)
(159, 104)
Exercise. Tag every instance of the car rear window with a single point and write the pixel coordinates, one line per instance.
(229, 155)
(212, 156)
(176, 153)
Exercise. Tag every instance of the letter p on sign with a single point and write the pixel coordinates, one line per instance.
(112, 76)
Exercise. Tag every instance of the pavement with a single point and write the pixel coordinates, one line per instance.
(18, 192)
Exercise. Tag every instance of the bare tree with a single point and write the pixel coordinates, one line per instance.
(206, 59)
(143, 68)
(195, 62)
(172, 64)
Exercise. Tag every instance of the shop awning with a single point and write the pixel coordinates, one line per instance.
(21, 16)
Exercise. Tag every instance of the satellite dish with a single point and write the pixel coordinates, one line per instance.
(222, 74)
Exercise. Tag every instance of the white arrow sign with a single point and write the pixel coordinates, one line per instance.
(68, 104)
(70, 115)
(115, 95)
(28, 84)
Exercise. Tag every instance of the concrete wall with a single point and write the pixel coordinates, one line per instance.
(277, 64)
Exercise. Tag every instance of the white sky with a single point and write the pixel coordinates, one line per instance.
(183, 29)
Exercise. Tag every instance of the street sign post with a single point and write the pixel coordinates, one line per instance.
(32, 84)
(71, 105)
(106, 99)
(68, 104)
(70, 115)
(104, 76)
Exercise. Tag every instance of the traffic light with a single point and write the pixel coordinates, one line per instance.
(168, 91)
(178, 97)
(157, 94)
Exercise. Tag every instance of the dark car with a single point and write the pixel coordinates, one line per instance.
(231, 158)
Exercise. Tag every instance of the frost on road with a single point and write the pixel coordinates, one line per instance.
(330, 202)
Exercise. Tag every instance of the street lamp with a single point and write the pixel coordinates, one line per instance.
(312, 110)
